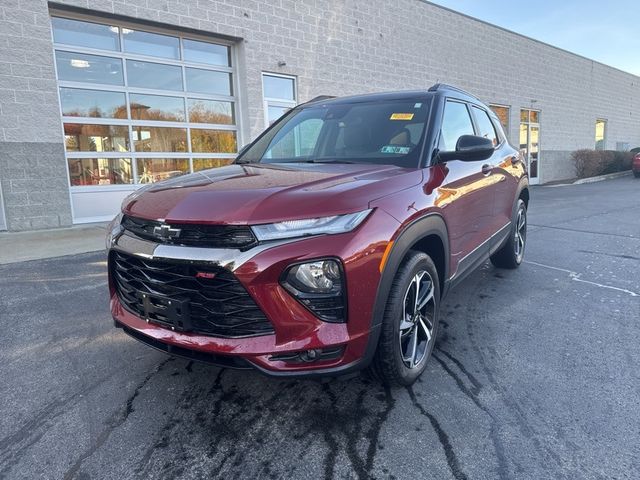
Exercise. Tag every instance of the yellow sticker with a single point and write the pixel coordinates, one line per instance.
(401, 116)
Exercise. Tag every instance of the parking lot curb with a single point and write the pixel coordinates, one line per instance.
(600, 178)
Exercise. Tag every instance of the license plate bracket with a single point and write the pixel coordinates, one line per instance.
(167, 311)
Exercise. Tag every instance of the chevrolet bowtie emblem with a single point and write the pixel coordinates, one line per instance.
(165, 232)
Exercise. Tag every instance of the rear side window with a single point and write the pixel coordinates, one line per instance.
(455, 123)
(485, 125)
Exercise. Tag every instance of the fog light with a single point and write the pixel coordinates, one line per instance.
(315, 277)
(319, 286)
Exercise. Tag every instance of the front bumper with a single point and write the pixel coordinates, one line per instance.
(349, 346)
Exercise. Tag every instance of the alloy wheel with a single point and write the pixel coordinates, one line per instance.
(417, 325)
(520, 234)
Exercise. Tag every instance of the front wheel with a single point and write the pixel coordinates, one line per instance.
(410, 323)
(512, 253)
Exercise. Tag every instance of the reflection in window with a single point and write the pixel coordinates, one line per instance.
(154, 75)
(205, 163)
(85, 34)
(275, 112)
(80, 67)
(210, 111)
(203, 52)
(207, 81)
(78, 102)
(455, 123)
(156, 107)
(213, 141)
(100, 171)
(152, 44)
(159, 139)
(81, 137)
(503, 115)
(485, 126)
(151, 170)
(601, 128)
(279, 87)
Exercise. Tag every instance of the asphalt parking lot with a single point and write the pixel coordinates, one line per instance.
(536, 375)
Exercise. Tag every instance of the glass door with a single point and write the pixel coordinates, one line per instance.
(530, 142)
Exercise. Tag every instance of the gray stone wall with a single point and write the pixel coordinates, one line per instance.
(334, 47)
(32, 165)
(34, 185)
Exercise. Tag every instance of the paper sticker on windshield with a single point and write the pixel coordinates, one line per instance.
(396, 149)
(401, 116)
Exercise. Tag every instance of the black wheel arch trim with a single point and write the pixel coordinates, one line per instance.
(430, 224)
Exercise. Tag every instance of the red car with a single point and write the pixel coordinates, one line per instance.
(635, 166)
(329, 244)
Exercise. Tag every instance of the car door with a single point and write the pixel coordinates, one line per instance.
(466, 195)
(501, 177)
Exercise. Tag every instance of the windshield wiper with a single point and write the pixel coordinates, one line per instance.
(330, 160)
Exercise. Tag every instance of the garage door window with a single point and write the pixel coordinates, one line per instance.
(139, 106)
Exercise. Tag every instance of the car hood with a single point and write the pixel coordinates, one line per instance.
(266, 193)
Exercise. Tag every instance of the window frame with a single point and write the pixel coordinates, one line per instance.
(499, 139)
(278, 102)
(444, 106)
(505, 128)
(129, 122)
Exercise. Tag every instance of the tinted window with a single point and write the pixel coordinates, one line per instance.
(77, 102)
(203, 52)
(207, 81)
(85, 34)
(485, 126)
(80, 67)
(152, 44)
(279, 87)
(156, 107)
(154, 75)
(455, 123)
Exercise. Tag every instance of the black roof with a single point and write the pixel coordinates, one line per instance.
(438, 88)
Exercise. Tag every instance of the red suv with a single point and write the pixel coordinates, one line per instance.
(328, 245)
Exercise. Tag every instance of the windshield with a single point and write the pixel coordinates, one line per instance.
(384, 132)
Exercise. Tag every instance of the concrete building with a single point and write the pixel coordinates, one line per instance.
(100, 96)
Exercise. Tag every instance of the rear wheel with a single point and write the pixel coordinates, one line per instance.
(512, 253)
(410, 323)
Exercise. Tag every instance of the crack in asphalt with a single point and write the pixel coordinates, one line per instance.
(15, 446)
(578, 230)
(443, 438)
(114, 422)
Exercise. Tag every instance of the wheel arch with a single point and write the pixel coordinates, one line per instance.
(427, 234)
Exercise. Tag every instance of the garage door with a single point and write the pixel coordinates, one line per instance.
(139, 105)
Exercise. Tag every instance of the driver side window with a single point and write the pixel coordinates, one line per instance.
(455, 123)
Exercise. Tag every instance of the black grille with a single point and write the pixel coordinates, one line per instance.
(192, 235)
(170, 294)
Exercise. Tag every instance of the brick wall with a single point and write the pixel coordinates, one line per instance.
(335, 47)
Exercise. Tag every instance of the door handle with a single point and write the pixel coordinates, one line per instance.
(487, 169)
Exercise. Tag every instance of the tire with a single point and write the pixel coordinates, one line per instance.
(393, 363)
(511, 254)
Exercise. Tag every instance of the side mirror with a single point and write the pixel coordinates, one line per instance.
(469, 148)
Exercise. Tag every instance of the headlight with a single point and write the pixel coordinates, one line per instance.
(319, 285)
(113, 230)
(311, 226)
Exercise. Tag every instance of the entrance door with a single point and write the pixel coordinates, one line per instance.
(3, 221)
(530, 142)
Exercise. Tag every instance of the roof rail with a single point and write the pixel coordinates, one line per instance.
(320, 98)
(445, 86)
